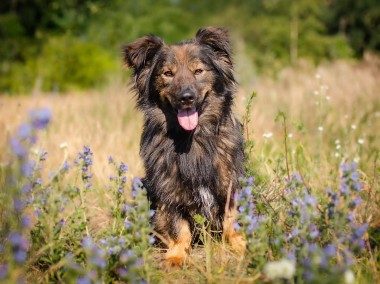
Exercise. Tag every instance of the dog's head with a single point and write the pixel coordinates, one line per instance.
(180, 78)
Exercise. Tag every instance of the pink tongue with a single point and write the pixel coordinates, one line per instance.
(188, 119)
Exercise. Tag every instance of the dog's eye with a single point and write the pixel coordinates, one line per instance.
(198, 71)
(168, 73)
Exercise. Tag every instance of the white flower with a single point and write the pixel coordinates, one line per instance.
(328, 98)
(290, 135)
(337, 141)
(337, 146)
(324, 88)
(317, 76)
(316, 93)
(356, 159)
(63, 145)
(361, 141)
(283, 268)
(320, 128)
(349, 277)
(268, 134)
(353, 126)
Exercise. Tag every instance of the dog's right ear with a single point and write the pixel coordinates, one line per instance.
(139, 53)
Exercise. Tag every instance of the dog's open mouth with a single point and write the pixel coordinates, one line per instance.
(188, 118)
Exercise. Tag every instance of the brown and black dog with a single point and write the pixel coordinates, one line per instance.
(191, 145)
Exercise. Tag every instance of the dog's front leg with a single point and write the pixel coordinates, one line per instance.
(235, 239)
(179, 246)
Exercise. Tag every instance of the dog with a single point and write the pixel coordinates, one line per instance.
(192, 144)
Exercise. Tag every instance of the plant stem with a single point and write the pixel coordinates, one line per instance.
(84, 212)
(286, 146)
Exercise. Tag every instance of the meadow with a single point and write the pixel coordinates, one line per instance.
(73, 209)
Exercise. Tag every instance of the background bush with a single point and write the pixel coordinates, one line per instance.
(39, 35)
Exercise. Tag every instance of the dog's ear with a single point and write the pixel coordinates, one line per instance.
(139, 53)
(217, 38)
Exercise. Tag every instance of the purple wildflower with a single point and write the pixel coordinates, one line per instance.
(137, 185)
(354, 203)
(351, 217)
(310, 200)
(40, 118)
(127, 255)
(123, 168)
(237, 226)
(343, 189)
(27, 168)
(84, 280)
(330, 250)
(18, 204)
(314, 233)
(3, 270)
(122, 241)
(122, 272)
(120, 189)
(27, 188)
(65, 166)
(358, 186)
(19, 246)
(17, 147)
(103, 242)
(294, 232)
(110, 160)
(38, 181)
(250, 181)
(127, 224)
(26, 222)
(25, 131)
(360, 231)
(312, 247)
(43, 156)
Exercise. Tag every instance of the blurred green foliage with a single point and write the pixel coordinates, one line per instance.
(59, 45)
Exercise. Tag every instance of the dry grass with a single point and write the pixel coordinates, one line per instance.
(105, 121)
(352, 87)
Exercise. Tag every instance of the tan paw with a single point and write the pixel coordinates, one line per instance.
(175, 257)
(174, 262)
(238, 243)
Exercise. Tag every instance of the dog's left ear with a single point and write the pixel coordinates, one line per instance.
(138, 54)
(217, 38)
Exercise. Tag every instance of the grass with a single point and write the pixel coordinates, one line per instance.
(92, 225)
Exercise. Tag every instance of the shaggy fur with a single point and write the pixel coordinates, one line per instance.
(191, 167)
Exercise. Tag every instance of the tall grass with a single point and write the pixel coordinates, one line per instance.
(309, 207)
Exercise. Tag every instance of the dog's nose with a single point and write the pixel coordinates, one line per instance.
(187, 98)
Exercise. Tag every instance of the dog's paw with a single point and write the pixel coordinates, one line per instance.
(238, 243)
(175, 258)
(174, 262)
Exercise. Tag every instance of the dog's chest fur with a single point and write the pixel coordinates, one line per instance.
(193, 172)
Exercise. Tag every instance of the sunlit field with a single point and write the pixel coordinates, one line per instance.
(309, 207)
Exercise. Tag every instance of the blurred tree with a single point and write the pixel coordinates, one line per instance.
(270, 33)
(358, 20)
